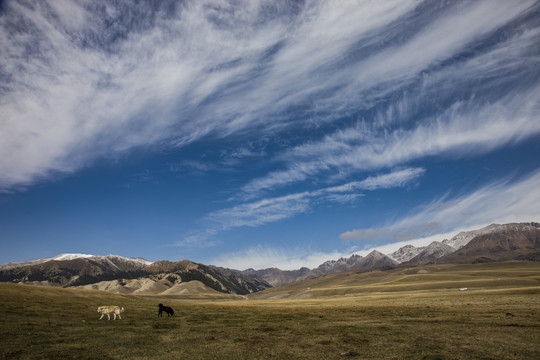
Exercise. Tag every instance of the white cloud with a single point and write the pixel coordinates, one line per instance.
(262, 257)
(397, 178)
(269, 210)
(78, 84)
(364, 234)
(439, 40)
(414, 231)
(458, 131)
(418, 242)
(261, 212)
(500, 202)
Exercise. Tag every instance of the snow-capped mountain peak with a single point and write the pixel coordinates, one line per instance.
(405, 253)
(111, 259)
(464, 237)
(62, 257)
(331, 265)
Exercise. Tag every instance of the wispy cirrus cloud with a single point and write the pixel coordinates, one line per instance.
(465, 128)
(261, 212)
(398, 178)
(127, 75)
(262, 257)
(91, 79)
(411, 232)
(502, 201)
(270, 210)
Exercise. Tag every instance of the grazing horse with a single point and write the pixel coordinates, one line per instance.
(168, 310)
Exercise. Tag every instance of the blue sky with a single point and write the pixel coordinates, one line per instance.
(263, 133)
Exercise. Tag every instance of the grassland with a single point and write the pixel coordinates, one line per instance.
(412, 313)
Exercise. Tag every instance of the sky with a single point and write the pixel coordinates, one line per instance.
(256, 134)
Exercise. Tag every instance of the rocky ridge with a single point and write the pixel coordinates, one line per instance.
(515, 241)
(112, 270)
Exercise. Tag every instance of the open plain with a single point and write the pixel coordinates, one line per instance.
(403, 313)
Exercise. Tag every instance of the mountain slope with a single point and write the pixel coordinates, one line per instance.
(438, 252)
(464, 237)
(342, 264)
(374, 260)
(503, 242)
(430, 254)
(516, 241)
(277, 277)
(406, 281)
(405, 253)
(75, 271)
(135, 262)
(85, 270)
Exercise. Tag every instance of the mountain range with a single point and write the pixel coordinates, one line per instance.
(515, 241)
(123, 275)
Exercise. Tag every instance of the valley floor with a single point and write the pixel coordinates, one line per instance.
(51, 323)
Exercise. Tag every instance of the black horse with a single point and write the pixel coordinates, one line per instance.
(168, 310)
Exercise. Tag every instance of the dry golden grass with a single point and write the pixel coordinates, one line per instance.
(405, 318)
(433, 278)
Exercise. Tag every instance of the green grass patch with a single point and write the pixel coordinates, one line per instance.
(53, 323)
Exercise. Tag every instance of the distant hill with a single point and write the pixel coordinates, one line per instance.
(113, 260)
(114, 270)
(514, 241)
(430, 254)
(493, 243)
(374, 260)
(408, 280)
(277, 277)
(462, 248)
(501, 243)
(463, 238)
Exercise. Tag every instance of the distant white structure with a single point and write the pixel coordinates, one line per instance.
(462, 289)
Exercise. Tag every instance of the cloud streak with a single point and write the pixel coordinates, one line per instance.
(499, 202)
(86, 80)
(269, 210)
(261, 257)
(463, 127)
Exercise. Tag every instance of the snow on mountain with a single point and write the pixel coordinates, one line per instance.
(62, 257)
(405, 253)
(431, 253)
(374, 259)
(515, 241)
(111, 259)
(342, 264)
(115, 259)
(434, 250)
(437, 249)
(463, 238)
